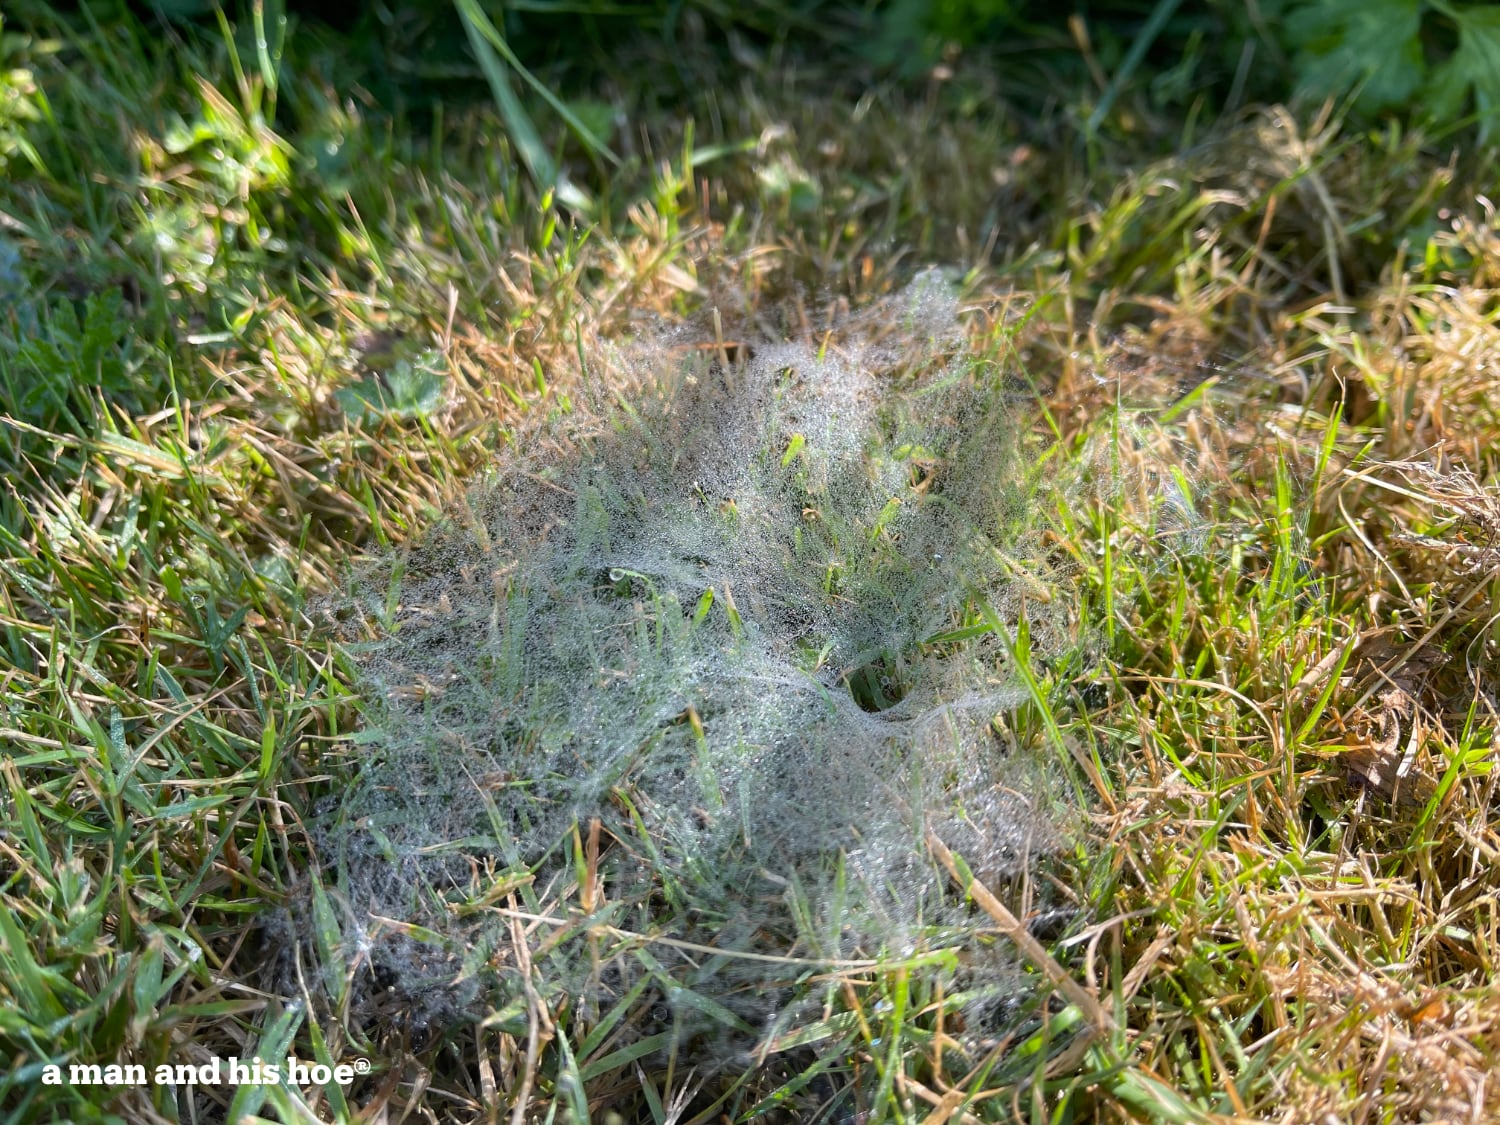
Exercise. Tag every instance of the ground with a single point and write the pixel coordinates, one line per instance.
(257, 337)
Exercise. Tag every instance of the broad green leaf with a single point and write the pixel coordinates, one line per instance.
(408, 390)
(1373, 44)
(1474, 66)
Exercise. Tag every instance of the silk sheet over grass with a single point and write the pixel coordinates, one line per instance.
(753, 627)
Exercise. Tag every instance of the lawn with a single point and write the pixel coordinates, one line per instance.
(745, 572)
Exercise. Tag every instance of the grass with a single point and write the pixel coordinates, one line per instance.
(249, 330)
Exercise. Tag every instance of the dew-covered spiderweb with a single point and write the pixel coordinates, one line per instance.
(754, 626)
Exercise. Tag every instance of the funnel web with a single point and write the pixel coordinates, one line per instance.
(741, 628)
